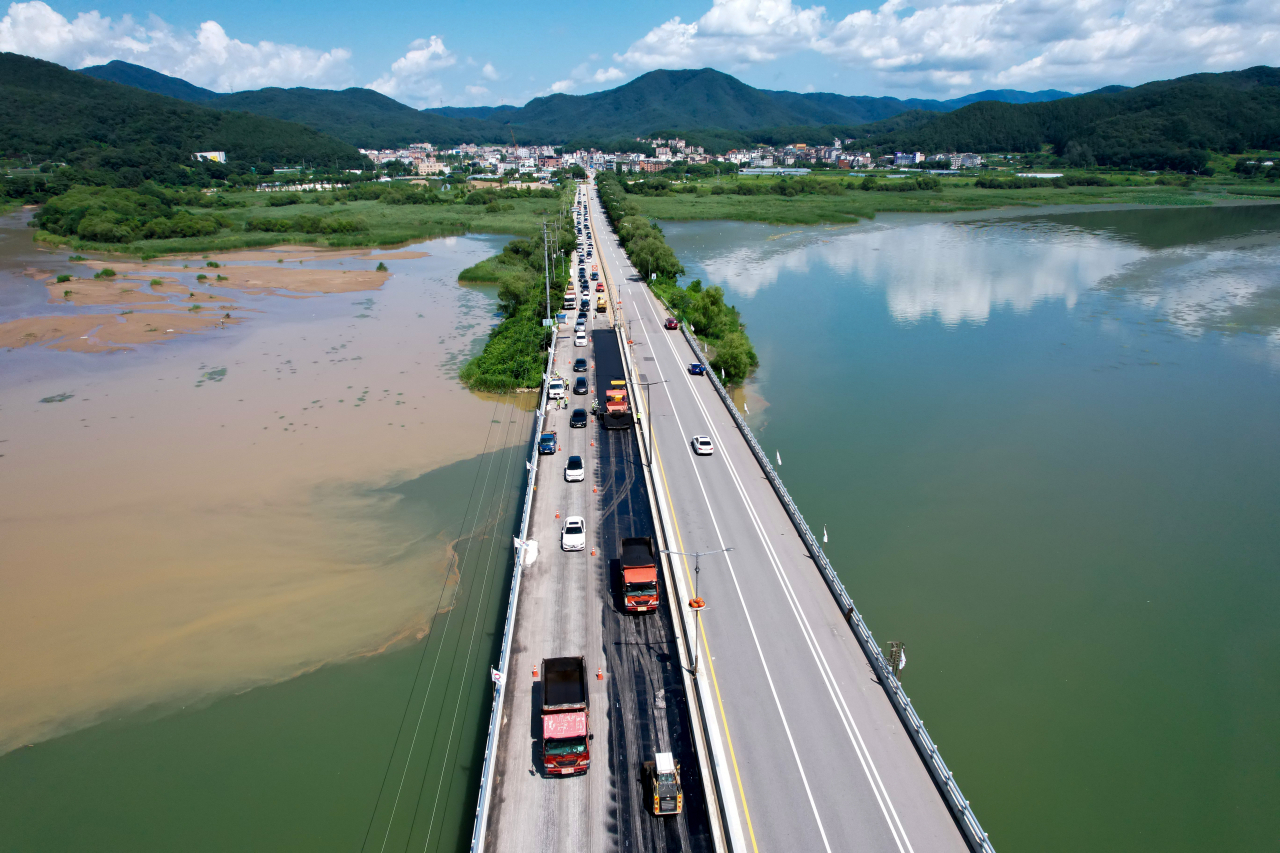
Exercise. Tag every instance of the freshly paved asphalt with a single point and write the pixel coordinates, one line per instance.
(568, 606)
(820, 759)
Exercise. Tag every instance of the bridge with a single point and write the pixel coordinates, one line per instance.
(791, 730)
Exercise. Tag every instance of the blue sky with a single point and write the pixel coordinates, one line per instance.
(507, 52)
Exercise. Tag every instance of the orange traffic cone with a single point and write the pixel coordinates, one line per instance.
(557, 513)
(535, 670)
(599, 674)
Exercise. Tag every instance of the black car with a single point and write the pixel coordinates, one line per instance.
(579, 365)
(580, 385)
(578, 418)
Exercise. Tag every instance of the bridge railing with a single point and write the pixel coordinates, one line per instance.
(928, 750)
(500, 686)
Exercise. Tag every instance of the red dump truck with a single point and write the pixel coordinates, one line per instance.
(639, 575)
(566, 732)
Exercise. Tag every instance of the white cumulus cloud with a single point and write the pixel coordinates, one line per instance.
(412, 76)
(208, 57)
(607, 75)
(738, 32)
(962, 45)
(489, 72)
(563, 86)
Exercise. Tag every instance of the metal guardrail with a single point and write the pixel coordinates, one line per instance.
(500, 687)
(928, 750)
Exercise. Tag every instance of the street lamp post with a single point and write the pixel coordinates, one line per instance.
(697, 603)
(649, 412)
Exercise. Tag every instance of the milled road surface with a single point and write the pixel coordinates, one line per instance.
(569, 606)
(820, 759)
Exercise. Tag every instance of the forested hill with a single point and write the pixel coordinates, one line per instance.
(369, 119)
(705, 98)
(129, 74)
(680, 101)
(50, 113)
(1169, 124)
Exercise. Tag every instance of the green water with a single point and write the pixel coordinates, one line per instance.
(1047, 452)
(381, 753)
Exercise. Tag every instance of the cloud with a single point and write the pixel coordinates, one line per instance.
(960, 45)
(738, 32)
(477, 91)
(489, 72)
(207, 57)
(607, 75)
(563, 86)
(412, 76)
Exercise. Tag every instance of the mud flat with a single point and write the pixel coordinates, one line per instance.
(193, 520)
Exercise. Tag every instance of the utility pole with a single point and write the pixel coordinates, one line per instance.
(546, 264)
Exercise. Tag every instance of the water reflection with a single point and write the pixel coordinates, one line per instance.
(957, 272)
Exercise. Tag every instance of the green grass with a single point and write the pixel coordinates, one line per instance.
(387, 225)
(958, 194)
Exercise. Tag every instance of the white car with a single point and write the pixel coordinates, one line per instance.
(574, 472)
(555, 391)
(574, 535)
(702, 445)
(579, 340)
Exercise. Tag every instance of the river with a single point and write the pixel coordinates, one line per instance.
(1044, 448)
(252, 572)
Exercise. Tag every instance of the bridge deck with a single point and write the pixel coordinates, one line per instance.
(568, 606)
(820, 758)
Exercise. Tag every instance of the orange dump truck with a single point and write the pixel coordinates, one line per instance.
(639, 575)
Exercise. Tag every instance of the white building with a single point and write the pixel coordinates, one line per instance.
(211, 156)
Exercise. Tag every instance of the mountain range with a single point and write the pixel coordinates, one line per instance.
(658, 101)
(50, 113)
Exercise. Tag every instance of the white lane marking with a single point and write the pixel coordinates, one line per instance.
(828, 677)
(842, 709)
(760, 652)
(759, 649)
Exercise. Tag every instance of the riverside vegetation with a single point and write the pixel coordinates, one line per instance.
(514, 356)
(152, 220)
(715, 322)
(841, 197)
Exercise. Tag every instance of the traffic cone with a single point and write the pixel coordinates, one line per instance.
(599, 674)
(535, 670)
(557, 513)
(593, 552)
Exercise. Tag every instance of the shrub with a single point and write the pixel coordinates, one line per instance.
(62, 279)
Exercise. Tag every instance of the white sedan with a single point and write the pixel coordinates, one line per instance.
(702, 445)
(580, 339)
(574, 535)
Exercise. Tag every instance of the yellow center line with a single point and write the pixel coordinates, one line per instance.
(715, 683)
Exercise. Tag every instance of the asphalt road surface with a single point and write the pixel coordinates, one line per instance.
(569, 606)
(819, 757)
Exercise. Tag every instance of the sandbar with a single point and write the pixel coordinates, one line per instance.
(109, 332)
